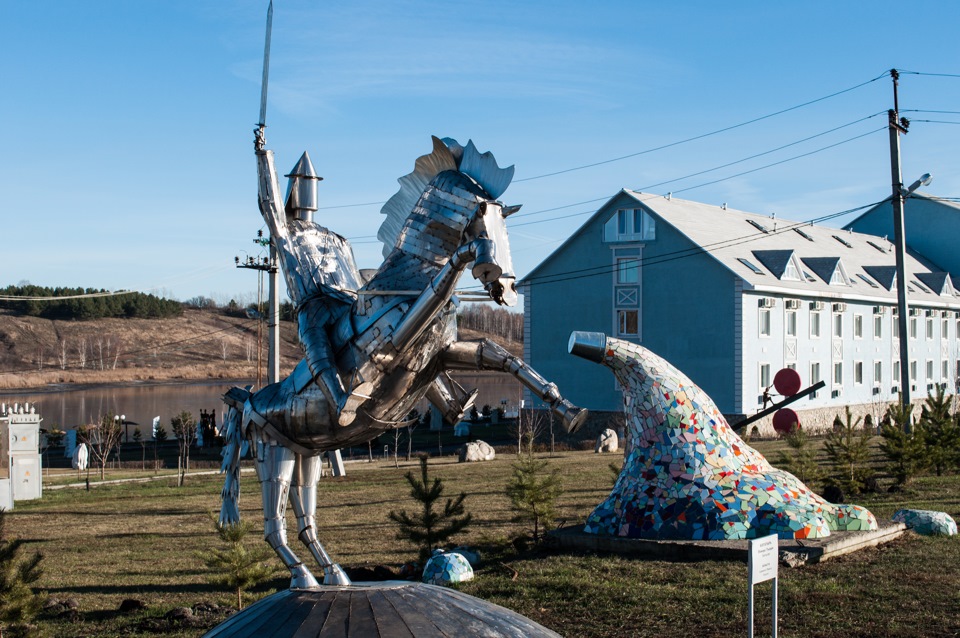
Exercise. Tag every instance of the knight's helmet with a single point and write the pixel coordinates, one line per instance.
(302, 190)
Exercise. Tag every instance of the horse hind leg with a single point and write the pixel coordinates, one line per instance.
(487, 355)
(275, 465)
(303, 497)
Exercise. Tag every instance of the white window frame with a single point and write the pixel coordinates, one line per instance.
(913, 371)
(858, 326)
(877, 372)
(837, 374)
(764, 316)
(929, 328)
(790, 323)
(944, 370)
(815, 328)
(858, 373)
(628, 265)
(622, 325)
(837, 325)
(896, 371)
(764, 376)
(815, 376)
(878, 326)
(913, 327)
(929, 371)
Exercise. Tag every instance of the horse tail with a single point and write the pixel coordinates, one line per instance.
(235, 447)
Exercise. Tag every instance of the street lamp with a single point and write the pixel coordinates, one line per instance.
(121, 421)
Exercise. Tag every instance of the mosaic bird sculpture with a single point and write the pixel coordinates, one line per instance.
(686, 473)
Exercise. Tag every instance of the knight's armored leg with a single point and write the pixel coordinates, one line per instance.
(313, 318)
(487, 355)
(303, 497)
(274, 465)
(451, 398)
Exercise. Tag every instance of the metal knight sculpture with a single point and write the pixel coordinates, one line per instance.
(373, 347)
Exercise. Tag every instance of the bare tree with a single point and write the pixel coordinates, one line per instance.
(184, 427)
(102, 439)
(224, 348)
(117, 349)
(100, 350)
(62, 354)
(82, 353)
(40, 357)
(530, 426)
(250, 349)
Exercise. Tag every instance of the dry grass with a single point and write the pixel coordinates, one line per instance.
(197, 345)
(139, 540)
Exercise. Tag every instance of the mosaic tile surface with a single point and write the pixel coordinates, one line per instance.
(927, 522)
(445, 568)
(687, 475)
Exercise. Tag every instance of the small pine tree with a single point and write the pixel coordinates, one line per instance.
(906, 456)
(18, 603)
(238, 567)
(533, 491)
(428, 528)
(801, 459)
(941, 433)
(849, 450)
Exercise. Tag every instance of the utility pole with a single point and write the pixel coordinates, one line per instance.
(266, 265)
(897, 126)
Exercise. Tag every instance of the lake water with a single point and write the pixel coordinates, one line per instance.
(141, 403)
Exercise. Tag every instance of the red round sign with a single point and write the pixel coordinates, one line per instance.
(784, 420)
(787, 382)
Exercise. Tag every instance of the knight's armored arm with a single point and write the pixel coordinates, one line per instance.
(438, 293)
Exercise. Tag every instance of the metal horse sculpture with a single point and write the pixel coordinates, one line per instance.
(373, 347)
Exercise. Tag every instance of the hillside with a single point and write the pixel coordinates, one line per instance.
(201, 344)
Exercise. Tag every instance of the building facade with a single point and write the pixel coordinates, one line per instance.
(730, 298)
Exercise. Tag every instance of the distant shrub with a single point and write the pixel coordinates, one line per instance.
(129, 305)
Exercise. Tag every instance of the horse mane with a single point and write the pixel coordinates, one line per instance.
(447, 155)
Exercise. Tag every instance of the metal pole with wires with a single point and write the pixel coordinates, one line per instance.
(896, 126)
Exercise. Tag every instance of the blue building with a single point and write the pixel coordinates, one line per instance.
(732, 297)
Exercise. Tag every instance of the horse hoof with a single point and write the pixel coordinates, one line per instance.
(346, 417)
(303, 579)
(572, 416)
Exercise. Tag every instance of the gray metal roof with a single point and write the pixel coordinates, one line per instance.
(736, 238)
(729, 235)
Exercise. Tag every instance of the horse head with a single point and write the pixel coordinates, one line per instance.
(493, 266)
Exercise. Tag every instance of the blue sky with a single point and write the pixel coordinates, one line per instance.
(128, 124)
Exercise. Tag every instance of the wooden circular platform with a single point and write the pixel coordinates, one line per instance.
(392, 609)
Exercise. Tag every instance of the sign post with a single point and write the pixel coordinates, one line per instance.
(762, 565)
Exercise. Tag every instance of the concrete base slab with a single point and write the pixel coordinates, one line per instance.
(793, 551)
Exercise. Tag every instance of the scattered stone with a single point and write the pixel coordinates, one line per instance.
(793, 559)
(446, 568)
(179, 613)
(476, 451)
(130, 605)
(927, 522)
(607, 442)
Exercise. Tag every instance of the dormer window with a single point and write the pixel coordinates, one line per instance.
(630, 224)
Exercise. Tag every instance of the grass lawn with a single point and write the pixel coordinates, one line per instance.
(140, 540)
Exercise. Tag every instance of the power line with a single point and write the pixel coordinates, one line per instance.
(709, 170)
(704, 135)
(941, 75)
(735, 175)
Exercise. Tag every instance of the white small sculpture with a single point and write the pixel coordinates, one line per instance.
(607, 442)
(81, 455)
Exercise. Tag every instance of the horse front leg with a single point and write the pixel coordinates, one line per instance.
(487, 355)
(275, 465)
(303, 497)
